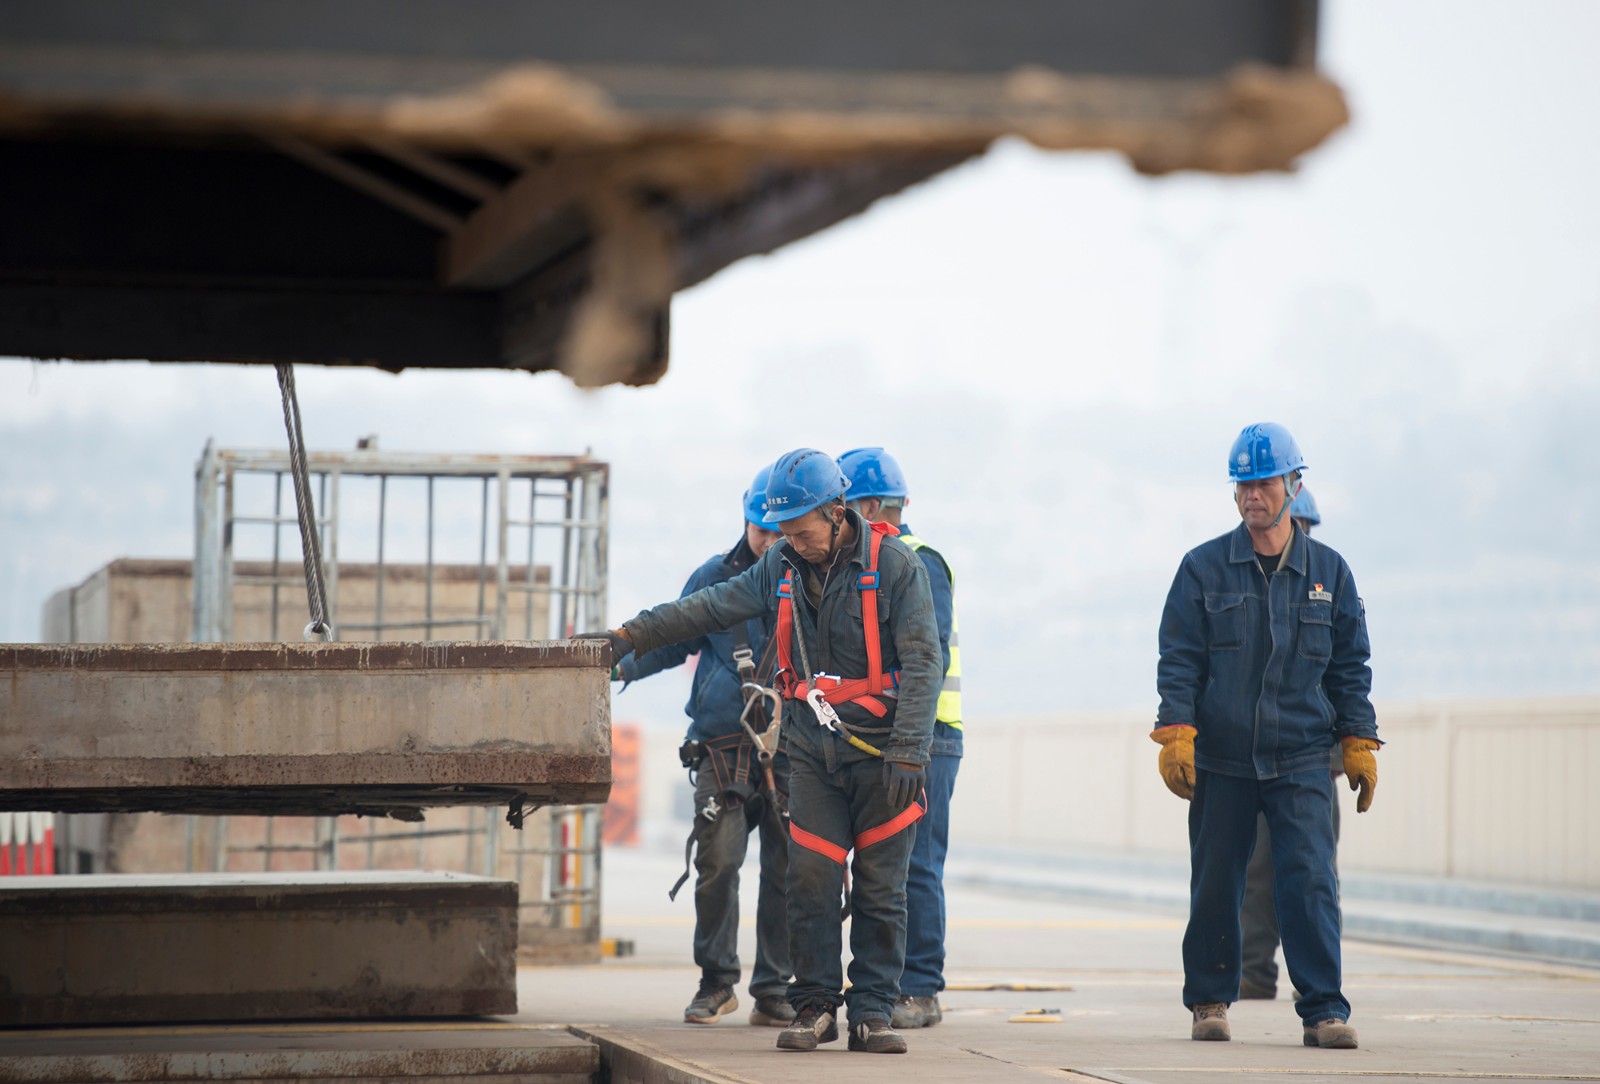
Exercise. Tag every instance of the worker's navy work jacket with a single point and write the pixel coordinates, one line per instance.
(946, 739)
(714, 698)
(833, 638)
(1270, 671)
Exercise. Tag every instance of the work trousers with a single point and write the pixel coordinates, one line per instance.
(718, 858)
(834, 811)
(1259, 915)
(925, 916)
(1222, 832)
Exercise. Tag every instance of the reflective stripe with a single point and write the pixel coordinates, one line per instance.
(908, 816)
(816, 843)
(949, 709)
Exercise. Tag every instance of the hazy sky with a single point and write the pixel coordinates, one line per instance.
(1059, 352)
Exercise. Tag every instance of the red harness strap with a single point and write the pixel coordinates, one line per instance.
(813, 842)
(908, 816)
(863, 691)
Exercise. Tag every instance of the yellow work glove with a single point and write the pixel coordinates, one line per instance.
(1362, 769)
(1177, 758)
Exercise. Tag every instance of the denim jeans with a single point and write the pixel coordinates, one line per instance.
(718, 858)
(831, 808)
(924, 973)
(1259, 915)
(1222, 832)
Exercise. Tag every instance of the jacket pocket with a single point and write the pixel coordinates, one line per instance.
(1316, 632)
(1224, 621)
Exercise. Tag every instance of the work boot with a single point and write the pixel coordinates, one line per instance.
(813, 1024)
(772, 1012)
(1332, 1033)
(1256, 991)
(709, 1005)
(875, 1036)
(916, 1012)
(1211, 1023)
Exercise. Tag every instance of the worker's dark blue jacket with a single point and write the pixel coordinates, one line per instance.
(946, 739)
(714, 698)
(833, 638)
(1269, 671)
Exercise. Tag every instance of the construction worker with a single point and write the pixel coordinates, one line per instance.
(1258, 918)
(878, 491)
(1263, 669)
(731, 798)
(860, 669)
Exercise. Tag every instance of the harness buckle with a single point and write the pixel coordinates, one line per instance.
(869, 580)
(827, 718)
(743, 657)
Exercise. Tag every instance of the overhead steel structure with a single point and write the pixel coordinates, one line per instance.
(525, 183)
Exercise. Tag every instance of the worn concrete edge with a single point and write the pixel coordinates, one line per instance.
(269, 657)
(625, 1058)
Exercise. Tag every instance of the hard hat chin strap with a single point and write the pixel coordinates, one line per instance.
(1291, 490)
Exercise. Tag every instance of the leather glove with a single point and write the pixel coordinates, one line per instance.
(902, 781)
(1362, 768)
(618, 643)
(1176, 761)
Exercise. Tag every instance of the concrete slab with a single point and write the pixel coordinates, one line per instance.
(302, 728)
(186, 947)
(416, 1053)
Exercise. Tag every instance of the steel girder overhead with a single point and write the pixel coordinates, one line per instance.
(518, 183)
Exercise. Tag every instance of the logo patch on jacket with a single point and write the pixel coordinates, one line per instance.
(1317, 594)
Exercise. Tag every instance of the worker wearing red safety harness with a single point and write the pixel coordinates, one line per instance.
(861, 669)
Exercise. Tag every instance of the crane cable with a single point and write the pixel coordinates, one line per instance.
(320, 629)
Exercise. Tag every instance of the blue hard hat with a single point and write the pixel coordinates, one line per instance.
(1264, 450)
(873, 472)
(755, 497)
(1305, 507)
(802, 480)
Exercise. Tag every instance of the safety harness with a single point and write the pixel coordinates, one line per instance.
(823, 691)
(829, 689)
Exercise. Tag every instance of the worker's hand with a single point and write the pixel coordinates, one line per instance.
(1362, 768)
(618, 643)
(903, 782)
(1176, 761)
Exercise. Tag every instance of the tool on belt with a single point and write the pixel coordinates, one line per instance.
(731, 755)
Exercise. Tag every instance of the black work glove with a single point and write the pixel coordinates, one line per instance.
(902, 781)
(620, 646)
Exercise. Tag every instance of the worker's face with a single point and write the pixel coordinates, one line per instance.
(812, 535)
(1260, 501)
(758, 538)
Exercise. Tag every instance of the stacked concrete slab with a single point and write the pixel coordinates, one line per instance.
(302, 728)
(205, 947)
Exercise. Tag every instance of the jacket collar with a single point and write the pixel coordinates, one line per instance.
(1240, 551)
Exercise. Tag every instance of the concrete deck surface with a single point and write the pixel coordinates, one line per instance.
(1111, 970)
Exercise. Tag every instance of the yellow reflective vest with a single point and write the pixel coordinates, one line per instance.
(949, 711)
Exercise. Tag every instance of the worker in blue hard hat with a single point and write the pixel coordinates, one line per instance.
(737, 790)
(879, 492)
(1263, 672)
(1258, 916)
(860, 670)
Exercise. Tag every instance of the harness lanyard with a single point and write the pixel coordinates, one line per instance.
(827, 718)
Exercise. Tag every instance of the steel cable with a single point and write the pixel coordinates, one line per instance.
(310, 541)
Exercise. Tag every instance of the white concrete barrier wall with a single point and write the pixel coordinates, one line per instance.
(1492, 790)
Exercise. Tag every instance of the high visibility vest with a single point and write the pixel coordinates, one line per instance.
(950, 696)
